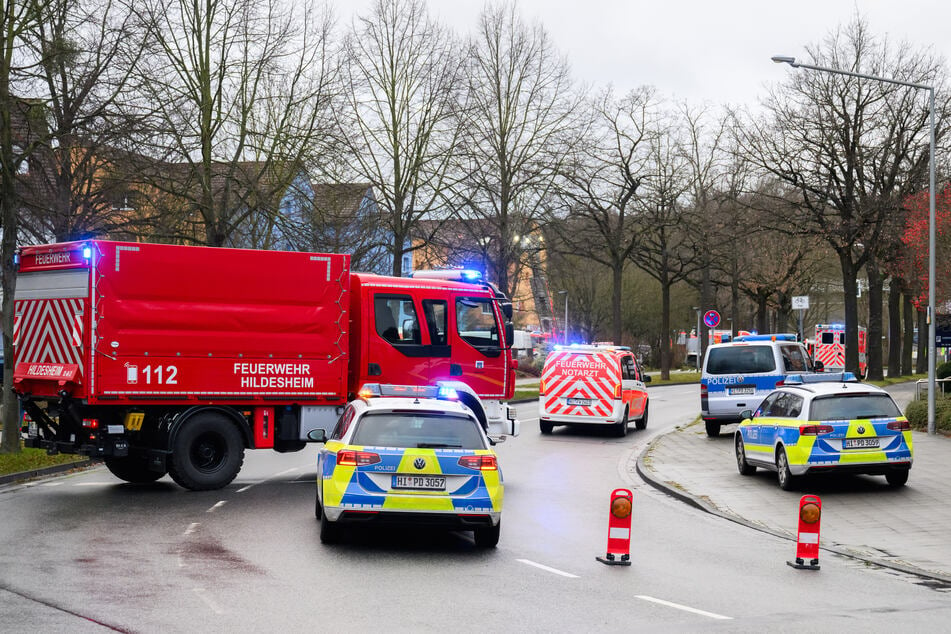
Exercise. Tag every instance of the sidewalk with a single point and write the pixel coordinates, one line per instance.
(904, 528)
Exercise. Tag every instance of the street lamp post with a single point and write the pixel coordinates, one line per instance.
(782, 59)
(565, 293)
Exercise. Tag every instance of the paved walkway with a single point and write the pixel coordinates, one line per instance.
(907, 528)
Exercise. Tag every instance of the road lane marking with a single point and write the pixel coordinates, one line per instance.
(191, 528)
(217, 609)
(276, 475)
(51, 484)
(685, 608)
(546, 568)
(217, 505)
(92, 484)
(243, 489)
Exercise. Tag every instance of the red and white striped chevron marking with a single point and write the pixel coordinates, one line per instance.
(49, 331)
(832, 355)
(588, 376)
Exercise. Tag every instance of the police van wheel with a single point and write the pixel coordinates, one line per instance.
(641, 423)
(132, 469)
(487, 537)
(713, 428)
(207, 453)
(621, 430)
(545, 426)
(742, 465)
(787, 481)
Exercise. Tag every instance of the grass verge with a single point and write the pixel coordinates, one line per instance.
(33, 459)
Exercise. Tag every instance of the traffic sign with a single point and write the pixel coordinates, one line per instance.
(711, 318)
(800, 302)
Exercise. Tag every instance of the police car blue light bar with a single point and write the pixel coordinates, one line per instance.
(822, 377)
(374, 390)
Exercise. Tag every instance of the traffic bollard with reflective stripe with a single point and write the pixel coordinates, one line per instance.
(807, 540)
(619, 529)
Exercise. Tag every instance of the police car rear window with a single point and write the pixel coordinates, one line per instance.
(842, 407)
(740, 360)
(418, 429)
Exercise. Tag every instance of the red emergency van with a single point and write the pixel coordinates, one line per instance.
(592, 385)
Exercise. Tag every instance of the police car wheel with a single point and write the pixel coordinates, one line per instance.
(641, 423)
(742, 465)
(545, 426)
(621, 430)
(487, 537)
(786, 479)
(897, 478)
(318, 511)
(329, 531)
(713, 428)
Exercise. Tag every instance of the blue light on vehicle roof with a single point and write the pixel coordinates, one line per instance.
(87, 252)
(448, 393)
(471, 274)
(821, 377)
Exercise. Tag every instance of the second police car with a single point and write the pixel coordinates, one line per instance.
(825, 423)
(408, 455)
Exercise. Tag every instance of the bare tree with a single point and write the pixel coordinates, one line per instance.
(850, 148)
(18, 140)
(403, 73)
(238, 93)
(604, 182)
(519, 127)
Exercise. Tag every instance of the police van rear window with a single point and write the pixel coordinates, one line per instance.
(741, 360)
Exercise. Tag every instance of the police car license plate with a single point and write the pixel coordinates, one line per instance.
(860, 443)
(746, 389)
(428, 483)
(579, 401)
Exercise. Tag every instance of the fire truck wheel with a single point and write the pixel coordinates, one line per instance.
(207, 453)
(621, 429)
(787, 481)
(487, 537)
(545, 426)
(641, 423)
(713, 428)
(131, 469)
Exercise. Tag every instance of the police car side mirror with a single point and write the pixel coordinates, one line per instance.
(746, 414)
(317, 435)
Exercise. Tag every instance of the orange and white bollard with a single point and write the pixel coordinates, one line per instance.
(807, 541)
(619, 529)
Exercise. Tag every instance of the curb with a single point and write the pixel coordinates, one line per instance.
(647, 474)
(46, 471)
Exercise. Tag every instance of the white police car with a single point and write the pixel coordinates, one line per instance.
(408, 455)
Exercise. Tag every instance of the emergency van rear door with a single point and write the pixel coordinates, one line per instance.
(581, 383)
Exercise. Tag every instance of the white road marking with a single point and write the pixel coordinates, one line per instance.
(217, 609)
(217, 505)
(685, 608)
(276, 475)
(243, 489)
(285, 472)
(51, 484)
(546, 568)
(92, 484)
(191, 528)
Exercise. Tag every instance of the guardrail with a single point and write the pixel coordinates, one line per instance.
(924, 382)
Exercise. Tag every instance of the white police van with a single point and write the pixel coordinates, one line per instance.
(738, 375)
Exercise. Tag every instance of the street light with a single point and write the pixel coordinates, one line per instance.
(782, 59)
(565, 293)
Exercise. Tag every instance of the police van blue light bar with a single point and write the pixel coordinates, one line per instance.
(774, 337)
(822, 377)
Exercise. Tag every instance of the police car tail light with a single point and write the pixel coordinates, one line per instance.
(351, 458)
(479, 463)
(899, 425)
(780, 383)
(814, 430)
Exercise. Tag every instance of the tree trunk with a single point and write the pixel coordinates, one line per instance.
(921, 366)
(617, 283)
(665, 328)
(762, 312)
(873, 340)
(851, 304)
(909, 336)
(894, 327)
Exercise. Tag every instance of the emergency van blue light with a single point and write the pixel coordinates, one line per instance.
(558, 346)
(87, 252)
(471, 274)
(448, 392)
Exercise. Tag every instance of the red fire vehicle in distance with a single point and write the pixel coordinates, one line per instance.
(175, 359)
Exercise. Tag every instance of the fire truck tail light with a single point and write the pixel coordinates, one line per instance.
(91, 423)
(351, 458)
(479, 463)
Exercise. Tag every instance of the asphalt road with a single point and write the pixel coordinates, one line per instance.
(89, 553)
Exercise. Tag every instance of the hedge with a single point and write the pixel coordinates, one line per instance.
(917, 414)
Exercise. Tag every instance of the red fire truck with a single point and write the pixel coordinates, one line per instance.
(175, 359)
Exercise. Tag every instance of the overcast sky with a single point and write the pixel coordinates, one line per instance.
(713, 51)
